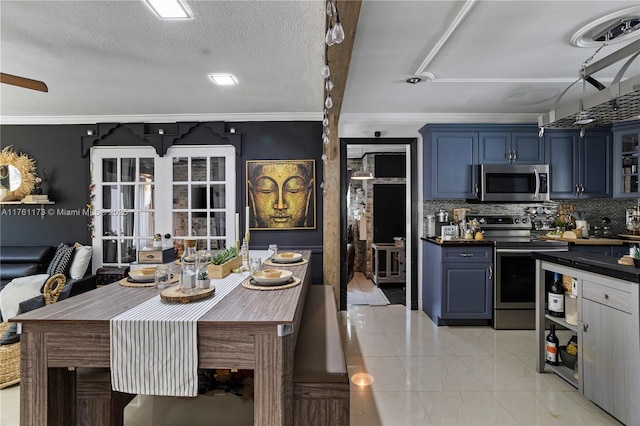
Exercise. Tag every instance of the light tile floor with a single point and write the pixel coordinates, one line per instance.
(362, 291)
(423, 375)
(429, 375)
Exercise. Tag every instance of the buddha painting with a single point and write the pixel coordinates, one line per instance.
(280, 194)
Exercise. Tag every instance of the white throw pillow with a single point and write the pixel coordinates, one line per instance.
(18, 290)
(80, 261)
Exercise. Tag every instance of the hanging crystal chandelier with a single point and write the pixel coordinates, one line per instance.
(334, 35)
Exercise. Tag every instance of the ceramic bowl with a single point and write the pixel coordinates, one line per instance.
(148, 270)
(139, 276)
(272, 273)
(567, 359)
(287, 257)
(260, 278)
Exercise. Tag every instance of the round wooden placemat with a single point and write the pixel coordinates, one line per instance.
(126, 283)
(175, 294)
(247, 284)
(272, 263)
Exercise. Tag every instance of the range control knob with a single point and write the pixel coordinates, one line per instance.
(525, 219)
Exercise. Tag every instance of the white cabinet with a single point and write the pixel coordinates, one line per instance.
(608, 339)
(610, 359)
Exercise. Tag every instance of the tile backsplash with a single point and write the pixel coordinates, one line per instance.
(594, 209)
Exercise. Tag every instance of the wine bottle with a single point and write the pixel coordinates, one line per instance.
(555, 298)
(551, 347)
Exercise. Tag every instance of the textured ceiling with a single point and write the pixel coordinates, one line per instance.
(116, 58)
(507, 61)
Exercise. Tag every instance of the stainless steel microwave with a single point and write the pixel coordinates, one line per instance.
(514, 182)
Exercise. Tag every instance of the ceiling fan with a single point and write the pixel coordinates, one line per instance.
(27, 83)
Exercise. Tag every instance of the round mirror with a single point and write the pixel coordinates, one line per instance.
(17, 175)
(10, 177)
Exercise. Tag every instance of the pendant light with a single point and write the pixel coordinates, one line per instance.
(362, 175)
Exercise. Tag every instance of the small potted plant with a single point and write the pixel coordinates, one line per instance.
(202, 280)
(224, 262)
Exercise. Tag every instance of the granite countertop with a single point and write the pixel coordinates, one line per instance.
(456, 241)
(591, 262)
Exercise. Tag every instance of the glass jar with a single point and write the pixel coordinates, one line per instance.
(202, 269)
(163, 277)
(188, 275)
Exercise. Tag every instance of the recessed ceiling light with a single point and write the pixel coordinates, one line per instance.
(170, 9)
(223, 79)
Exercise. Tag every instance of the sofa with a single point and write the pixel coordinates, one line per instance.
(21, 261)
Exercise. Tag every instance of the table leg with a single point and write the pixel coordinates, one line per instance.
(273, 380)
(47, 396)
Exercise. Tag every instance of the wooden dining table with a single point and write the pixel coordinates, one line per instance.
(247, 329)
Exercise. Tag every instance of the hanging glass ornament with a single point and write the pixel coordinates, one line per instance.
(331, 9)
(326, 72)
(328, 85)
(325, 121)
(328, 39)
(338, 31)
(328, 102)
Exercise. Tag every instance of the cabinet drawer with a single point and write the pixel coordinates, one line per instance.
(607, 296)
(467, 254)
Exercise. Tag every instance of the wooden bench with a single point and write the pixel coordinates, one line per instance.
(96, 403)
(320, 379)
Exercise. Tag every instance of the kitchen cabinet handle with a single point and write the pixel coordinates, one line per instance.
(577, 190)
(581, 189)
(509, 156)
(466, 254)
(490, 272)
(476, 191)
(515, 155)
(585, 327)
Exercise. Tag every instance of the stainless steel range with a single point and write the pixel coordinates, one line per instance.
(514, 284)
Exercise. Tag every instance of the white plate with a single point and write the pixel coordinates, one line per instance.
(259, 278)
(138, 276)
(278, 259)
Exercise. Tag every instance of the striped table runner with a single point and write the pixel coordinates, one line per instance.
(154, 347)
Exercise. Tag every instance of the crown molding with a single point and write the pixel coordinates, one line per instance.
(440, 118)
(160, 118)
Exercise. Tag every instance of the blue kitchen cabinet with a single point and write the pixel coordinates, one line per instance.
(511, 147)
(579, 167)
(457, 282)
(561, 153)
(607, 250)
(452, 153)
(449, 160)
(625, 160)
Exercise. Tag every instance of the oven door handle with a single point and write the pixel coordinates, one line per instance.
(544, 250)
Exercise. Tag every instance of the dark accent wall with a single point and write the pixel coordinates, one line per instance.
(58, 149)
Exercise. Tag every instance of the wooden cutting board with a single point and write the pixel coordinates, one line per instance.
(587, 241)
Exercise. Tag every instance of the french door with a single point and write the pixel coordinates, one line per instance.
(187, 194)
